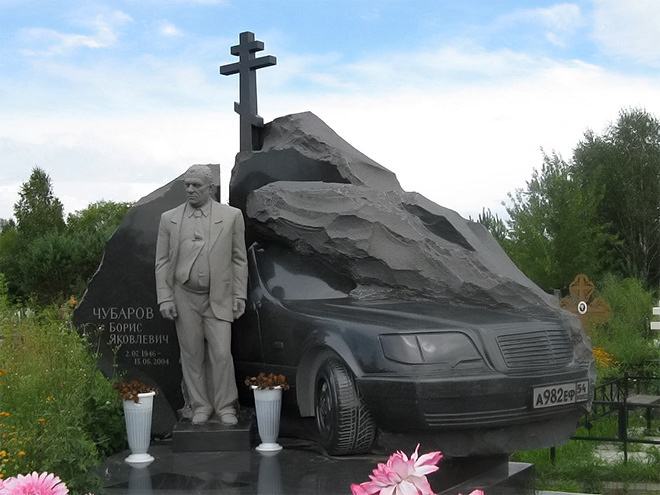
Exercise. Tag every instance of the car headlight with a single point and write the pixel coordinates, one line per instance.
(429, 348)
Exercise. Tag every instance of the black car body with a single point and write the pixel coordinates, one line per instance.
(360, 365)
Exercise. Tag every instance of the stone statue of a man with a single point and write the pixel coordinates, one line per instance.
(201, 279)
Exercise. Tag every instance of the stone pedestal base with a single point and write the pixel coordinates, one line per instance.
(211, 436)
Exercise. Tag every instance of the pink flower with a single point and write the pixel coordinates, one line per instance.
(401, 475)
(3, 486)
(34, 484)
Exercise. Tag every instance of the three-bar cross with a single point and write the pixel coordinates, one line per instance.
(246, 67)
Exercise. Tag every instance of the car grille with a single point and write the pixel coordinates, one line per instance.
(493, 418)
(536, 350)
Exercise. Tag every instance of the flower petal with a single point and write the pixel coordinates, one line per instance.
(422, 485)
(424, 470)
(432, 458)
(413, 456)
(370, 488)
(388, 490)
(406, 488)
(358, 490)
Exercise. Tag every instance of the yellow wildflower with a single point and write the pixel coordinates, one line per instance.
(41, 421)
(5, 414)
(50, 398)
(3, 453)
(21, 453)
(603, 358)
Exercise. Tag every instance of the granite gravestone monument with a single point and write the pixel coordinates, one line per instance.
(301, 185)
(120, 313)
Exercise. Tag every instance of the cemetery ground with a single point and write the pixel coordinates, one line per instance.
(579, 465)
(59, 414)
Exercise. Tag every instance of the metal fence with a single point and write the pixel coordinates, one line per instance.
(618, 397)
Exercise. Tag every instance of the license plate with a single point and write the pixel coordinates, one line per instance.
(560, 394)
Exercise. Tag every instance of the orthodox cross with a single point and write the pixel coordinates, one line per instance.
(246, 68)
(583, 301)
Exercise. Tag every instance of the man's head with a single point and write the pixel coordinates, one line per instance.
(199, 184)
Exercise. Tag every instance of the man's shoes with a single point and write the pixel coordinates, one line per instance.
(228, 418)
(200, 418)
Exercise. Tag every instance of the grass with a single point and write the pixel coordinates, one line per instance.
(578, 469)
(57, 412)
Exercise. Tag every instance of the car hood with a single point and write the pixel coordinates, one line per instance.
(411, 316)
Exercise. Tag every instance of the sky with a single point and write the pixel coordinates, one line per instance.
(459, 99)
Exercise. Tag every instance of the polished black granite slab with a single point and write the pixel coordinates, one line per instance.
(301, 468)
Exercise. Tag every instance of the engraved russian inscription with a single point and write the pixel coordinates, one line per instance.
(127, 331)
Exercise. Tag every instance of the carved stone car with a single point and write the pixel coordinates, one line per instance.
(493, 381)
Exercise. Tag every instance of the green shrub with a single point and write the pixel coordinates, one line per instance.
(626, 335)
(57, 412)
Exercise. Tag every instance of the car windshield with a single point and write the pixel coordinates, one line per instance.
(295, 277)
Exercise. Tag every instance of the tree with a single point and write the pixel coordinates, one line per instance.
(7, 224)
(38, 213)
(48, 268)
(89, 230)
(554, 231)
(494, 224)
(100, 217)
(9, 252)
(625, 163)
(43, 258)
(38, 210)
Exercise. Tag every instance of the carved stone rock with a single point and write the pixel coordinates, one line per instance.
(301, 147)
(394, 242)
(312, 191)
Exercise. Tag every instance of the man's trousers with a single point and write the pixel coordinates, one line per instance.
(196, 324)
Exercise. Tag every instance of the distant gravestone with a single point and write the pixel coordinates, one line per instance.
(119, 311)
(583, 302)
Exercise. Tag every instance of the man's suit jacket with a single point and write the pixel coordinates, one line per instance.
(227, 257)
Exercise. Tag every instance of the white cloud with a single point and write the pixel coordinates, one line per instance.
(559, 21)
(115, 158)
(629, 29)
(169, 30)
(467, 147)
(461, 125)
(51, 42)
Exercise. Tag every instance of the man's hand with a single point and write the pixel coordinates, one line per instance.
(168, 310)
(239, 308)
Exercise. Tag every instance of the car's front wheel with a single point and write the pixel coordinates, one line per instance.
(344, 423)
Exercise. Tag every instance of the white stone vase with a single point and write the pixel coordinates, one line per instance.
(268, 403)
(138, 427)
